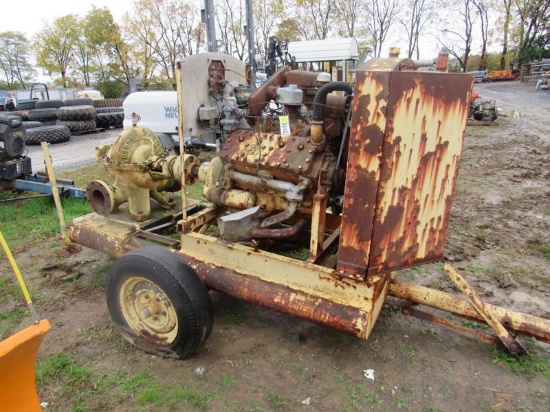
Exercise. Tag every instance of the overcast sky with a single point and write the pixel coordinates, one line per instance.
(28, 16)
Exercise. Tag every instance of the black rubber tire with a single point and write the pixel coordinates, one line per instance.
(42, 114)
(49, 104)
(51, 122)
(78, 125)
(107, 120)
(81, 101)
(49, 134)
(31, 125)
(26, 104)
(108, 109)
(23, 114)
(155, 271)
(76, 113)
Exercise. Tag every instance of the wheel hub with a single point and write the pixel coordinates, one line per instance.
(148, 310)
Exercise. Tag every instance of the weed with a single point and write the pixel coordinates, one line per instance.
(407, 388)
(412, 350)
(9, 288)
(276, 401)
(400, 403)
(150, 395)
(62, 367)
(529, 365)
(9, 319)
(537, 248)
(195, 398)
(373, 399)
(298, 366)
(227, 381)
(249, 361)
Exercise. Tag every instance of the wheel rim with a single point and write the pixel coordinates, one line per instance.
(148, 310)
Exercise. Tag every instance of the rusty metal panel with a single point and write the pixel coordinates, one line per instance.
(368, 124)
(423, 143)
(406, 140)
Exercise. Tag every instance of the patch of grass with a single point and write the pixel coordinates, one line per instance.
(61, 367)
(400, 403)
(195, 191)
(528, 365)
(9, 288)
(84, 175)
(36, 219)
(276, 401)
(150, 395)
(298, 365)
(199, 399)
(537, 248)
(227, 381)
(9, 319)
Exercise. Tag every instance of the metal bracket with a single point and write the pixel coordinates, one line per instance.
(502, 333)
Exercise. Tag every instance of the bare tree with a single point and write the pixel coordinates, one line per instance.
(379, 22)
(266, 15)
(414, 19)
(350, 19)
(482, 10)
(316, 18)
(507, 4)
(231, 19)
(459, 41)
(167, 27)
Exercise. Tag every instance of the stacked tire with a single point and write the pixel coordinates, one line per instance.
(78, 115)
(108, 117)
(49, 134)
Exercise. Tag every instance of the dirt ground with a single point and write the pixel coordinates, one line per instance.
(260, 360)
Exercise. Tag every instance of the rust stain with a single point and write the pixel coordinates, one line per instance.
(406, 141)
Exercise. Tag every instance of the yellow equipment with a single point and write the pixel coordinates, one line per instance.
(18, 356)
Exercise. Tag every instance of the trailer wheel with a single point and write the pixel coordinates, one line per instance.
(159, 303)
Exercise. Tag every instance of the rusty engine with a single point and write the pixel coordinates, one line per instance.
(274, 168)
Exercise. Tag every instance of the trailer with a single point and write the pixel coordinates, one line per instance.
(357, 176)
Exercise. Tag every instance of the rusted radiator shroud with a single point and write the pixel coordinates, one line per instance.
(407, 134)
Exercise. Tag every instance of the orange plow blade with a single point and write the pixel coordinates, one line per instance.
(17, 361)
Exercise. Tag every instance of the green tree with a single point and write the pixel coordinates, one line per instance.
(167, 30)
(92, 42)
(533, 29)
(14, 59)
(55, 46)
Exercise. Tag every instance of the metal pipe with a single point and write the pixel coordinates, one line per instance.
(515, 321)
(316, 132)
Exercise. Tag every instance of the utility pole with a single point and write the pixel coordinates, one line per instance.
(209, 19)
(251, 45)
